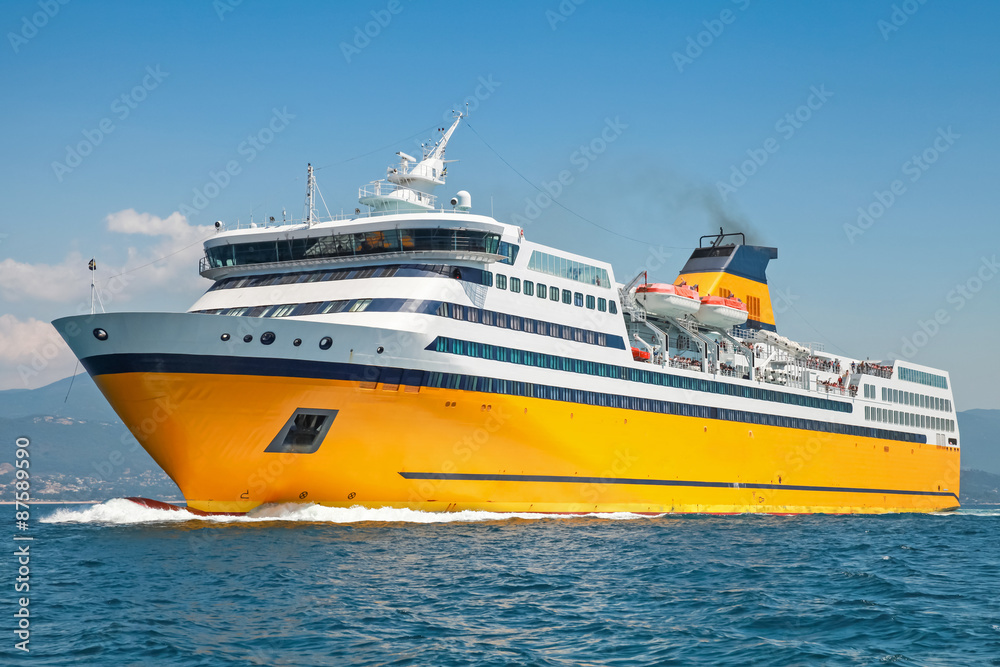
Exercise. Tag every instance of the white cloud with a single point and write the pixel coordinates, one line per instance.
(155, 271)
(171, 264)
(63, 282)
(128, 275)
(32, 354)
(131, 221)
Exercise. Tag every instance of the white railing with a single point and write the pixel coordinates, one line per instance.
(392, 190)
(340, 217)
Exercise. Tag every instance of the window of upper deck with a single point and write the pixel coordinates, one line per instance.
(529, 288)
(501, 281)
(515, 285)
(360, 244)
(568, 268)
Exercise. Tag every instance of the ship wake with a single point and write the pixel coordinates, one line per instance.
(121, 511)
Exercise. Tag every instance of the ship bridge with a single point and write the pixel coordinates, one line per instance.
(421, 237)
(403, 224)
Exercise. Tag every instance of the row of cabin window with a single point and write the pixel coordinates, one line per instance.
(528, 389)
(600, 369)
(914, 399)
(887, 416)
(553, 294)
(529, 325)
(325, 275)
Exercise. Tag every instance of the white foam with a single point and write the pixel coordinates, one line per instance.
(117, 511)
(125, 512)
(972, 511)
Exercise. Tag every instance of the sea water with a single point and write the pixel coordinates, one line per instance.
(119, 584)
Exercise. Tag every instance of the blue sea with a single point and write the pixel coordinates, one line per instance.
(119, 584)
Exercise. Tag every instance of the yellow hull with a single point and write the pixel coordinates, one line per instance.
(450, 450)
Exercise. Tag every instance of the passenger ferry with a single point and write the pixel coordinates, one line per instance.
(425, 356)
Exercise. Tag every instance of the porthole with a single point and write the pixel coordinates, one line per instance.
(224, 337)
(267, 338)
(380, 349)
(247, 338)
(100, 334)
(297, 342)
(326, 343)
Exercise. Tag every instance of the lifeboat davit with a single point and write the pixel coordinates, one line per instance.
(721, 312)
(664, 300)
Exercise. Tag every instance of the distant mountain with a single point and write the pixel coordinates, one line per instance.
(80, 450)
(980, 488)
(980, 440)
(84, 401)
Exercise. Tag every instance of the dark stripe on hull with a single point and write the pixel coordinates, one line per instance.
(112, 364)
(474, 477)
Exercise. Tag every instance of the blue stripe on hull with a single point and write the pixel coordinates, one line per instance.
(475, 477)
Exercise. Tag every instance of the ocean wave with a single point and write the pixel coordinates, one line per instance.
(120, 511)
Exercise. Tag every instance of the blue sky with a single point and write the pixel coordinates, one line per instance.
(829, 102)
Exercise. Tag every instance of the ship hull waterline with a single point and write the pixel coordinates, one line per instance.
(436, 449)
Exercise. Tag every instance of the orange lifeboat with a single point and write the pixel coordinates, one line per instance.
(662, 300)
(640, 355)
(721, 312)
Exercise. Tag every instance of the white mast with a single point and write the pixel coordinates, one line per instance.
(411, 188)
(310, 197)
